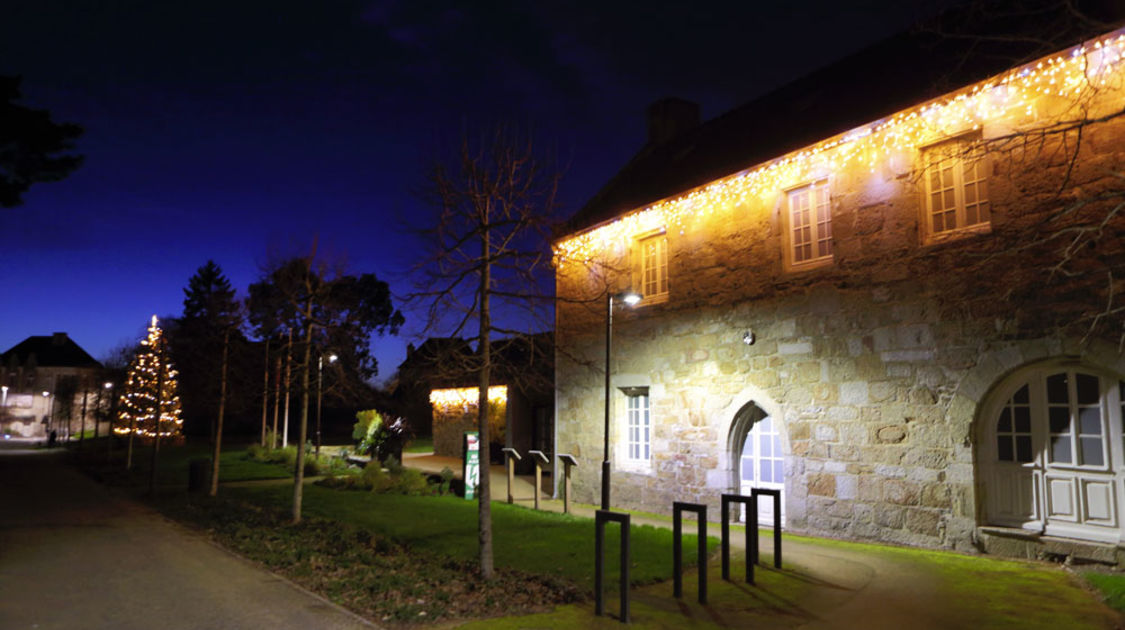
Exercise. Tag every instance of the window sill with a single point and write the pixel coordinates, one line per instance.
(959, 233)
(810, 265)
(636, 467)
(649, 300)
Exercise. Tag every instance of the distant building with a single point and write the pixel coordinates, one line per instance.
(893, 299)
(521, 397)
(42, 381)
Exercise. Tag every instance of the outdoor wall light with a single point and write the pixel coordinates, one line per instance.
(749, 338)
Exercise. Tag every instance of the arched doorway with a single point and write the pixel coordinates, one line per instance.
(1051, 452)
(757, 457)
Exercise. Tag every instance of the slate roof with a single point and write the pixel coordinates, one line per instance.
(892, 75)
(57, 350)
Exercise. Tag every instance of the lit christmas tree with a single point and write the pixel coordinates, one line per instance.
(150, 372)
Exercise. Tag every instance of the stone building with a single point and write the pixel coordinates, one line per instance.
(896, 305)
(520, 399)
(42, 382)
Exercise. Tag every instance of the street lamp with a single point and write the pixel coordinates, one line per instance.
(3, 396)
(47, 406)
(319, 391)
(630, 298)
(108, 387)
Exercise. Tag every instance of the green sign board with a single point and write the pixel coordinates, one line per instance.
(470, 471)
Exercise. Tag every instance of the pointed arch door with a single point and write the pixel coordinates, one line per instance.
(761, 464)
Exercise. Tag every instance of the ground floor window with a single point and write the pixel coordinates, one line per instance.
(639, 428)
(1053, 454)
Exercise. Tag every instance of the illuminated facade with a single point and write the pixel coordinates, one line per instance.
(904, 326)
(42, 381)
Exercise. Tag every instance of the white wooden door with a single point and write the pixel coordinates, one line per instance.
(762, 465)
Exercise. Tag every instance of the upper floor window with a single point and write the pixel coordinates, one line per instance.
(956, 188)
(652, 267)
(810, 224)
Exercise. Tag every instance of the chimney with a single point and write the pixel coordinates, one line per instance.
(58, 339)
(670, 117)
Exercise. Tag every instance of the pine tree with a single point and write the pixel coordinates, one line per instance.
(150, 372)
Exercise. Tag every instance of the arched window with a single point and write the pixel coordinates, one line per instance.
(1047, 463)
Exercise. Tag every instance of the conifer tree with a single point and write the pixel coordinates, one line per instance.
(150, 391)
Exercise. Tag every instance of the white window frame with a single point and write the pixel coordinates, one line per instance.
(652, 287)
(638, 427)
(817, 225)
(945, 168)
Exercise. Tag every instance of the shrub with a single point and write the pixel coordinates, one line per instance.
(412, 482)
(446, 479)
(256, 452)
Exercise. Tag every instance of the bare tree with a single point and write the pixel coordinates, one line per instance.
(493, 204)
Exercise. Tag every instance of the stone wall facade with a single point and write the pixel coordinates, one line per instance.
(877, 365)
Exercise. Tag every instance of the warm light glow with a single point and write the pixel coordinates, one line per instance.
(144, 410)
(1068, 75)
(631, 298)
(464, 397)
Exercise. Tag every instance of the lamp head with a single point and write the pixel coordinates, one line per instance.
(332, 358)
(46, 394)
(108, 385)
(632, 298)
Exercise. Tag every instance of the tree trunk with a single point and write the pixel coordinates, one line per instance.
(219, 422)
(265, 393)
(288, 380)
(276, 400)
(159, 417)
(299, 473)
(484, 510)
(82, 435)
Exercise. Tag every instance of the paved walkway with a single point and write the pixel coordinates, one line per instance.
(73, 554)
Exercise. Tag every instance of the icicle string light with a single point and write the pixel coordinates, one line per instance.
(1069, 75)
(465, 397)
(139, 407)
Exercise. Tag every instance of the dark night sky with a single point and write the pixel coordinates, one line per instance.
(238, 130)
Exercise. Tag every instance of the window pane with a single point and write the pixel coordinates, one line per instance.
(1092, 451)
(1087, 389)
(947, 177)
(1056, 389)
(747, 469)
(970, 194)
(778, 471)
(949, 200)
(1060, 449)
(1004, 448)
(765, 443)
(1005, 423)
(1023, 448)
(1021, 395)
(1059, 419)
(765, 470)
(1090, 421)
(1023, 419)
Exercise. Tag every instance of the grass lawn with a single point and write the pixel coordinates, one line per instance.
(1110, 585)
(539, 542)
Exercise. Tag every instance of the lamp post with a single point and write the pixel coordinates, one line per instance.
(108, 386)
(319, 391)
(47, 413)
(4, 396)
(630, 298)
